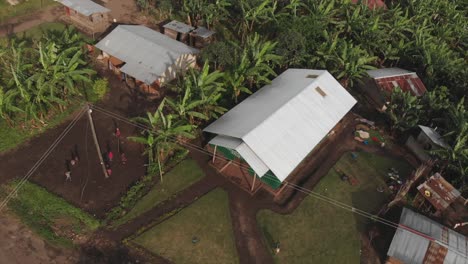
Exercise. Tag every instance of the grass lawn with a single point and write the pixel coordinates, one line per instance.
(14, 136)
(318, 232)
(8, 11)
(209, 220)
(49, 215)
(180, 177)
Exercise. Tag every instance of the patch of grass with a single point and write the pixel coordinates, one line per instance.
(49, 215)
(25, 7)
(209, 220)
(180, 177)
(37, 32)
(14, 136)
(318, 232)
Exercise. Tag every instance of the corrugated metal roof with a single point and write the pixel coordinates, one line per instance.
(285, 120)
(85, 7)
(434, 136)
(442, 193)
(227, 142)
(389, 78)
(179, 26)
(147, 53)
(203, 32)
(411, 247)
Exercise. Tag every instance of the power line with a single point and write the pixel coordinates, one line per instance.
(272, 177)
(267, 175)
(42, 159)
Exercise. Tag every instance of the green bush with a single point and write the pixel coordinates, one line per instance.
(99, 89)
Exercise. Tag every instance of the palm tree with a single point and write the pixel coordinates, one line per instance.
(165, 135)
(200, 99)
(254, 15)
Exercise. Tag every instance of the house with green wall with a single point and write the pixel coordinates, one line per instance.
(274, 129)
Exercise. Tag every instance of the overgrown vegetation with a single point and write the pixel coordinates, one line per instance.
(50, 216)
(45, 76)
(256, 39)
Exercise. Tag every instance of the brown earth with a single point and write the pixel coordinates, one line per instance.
(18, 245)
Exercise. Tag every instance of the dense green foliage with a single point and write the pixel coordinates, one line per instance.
(40, 76)
(256, 39)
(49, 215)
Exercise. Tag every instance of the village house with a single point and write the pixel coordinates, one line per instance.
(419, 239)
(428, 139)
(381, 82)
(86, 15)
(437, 195)
(268, 135)
(144, 58)
(198, 37)
(178, 31)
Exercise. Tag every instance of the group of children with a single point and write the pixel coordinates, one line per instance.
(108, 158)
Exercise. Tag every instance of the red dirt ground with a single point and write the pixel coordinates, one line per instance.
(89, 189)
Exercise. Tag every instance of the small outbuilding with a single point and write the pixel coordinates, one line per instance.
(87, 15)
(428, 139)
(201, 37)
(145, 58)
(380, 84)
(271, 132)
(437, 193)
(178, 31)
(419, 239)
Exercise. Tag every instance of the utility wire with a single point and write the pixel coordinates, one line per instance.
(42, 158)
(272, 177)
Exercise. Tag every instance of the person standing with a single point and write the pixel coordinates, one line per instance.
(68, 175)
(123, 158)
(110, 155)
(108, 170)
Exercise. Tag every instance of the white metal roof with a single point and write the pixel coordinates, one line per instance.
(283, 121)
(387, 72)
(85, 7)
(411, 247)
(179, 26)
(146, 53)
(434, 136)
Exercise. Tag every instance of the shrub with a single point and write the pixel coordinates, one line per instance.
(99, 89)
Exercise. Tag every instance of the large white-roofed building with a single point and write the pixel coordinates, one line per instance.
(148, 56)
(274, 129)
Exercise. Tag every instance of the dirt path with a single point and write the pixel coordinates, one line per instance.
(18, 244)
(25, 22)
(124, 11)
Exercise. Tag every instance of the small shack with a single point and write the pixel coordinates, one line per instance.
(262, 140)
(428, 139)
(381, 82)
(86, 15)
(419, 239)
(201, 37)
(144, 58)
(437, 194)
(178, 31)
